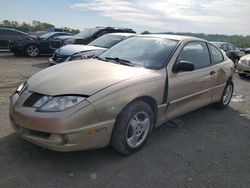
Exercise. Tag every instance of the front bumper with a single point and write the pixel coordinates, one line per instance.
(243, 69)
(70, 130)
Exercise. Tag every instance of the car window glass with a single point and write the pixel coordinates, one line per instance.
(148, 52)
(224, 47)
(196, 53)
(107, 41)
(2, 32)
(230, 47)
(216, 55)
(101, 33)
(86, 33)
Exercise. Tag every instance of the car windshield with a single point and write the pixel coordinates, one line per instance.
(46, 36)
(86, 33)
(142, 51)
(107, 41)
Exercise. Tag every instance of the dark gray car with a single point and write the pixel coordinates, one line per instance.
(72, 52)
(11, 34)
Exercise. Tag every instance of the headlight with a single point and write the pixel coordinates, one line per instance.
(21, 88)
(243, 61)
(73, 58)
(81, 57)
(56, 104)
(68, 42)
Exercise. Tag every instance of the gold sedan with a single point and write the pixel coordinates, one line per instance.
(118, 97)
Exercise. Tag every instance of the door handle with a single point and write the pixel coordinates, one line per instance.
(212, 72)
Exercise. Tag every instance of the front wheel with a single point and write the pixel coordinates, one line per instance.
(32, 50)
(132, 128)
(226, 96)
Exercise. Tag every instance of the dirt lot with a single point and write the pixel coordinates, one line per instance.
(208, 148)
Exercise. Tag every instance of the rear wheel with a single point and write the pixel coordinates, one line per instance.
(132, 128)
(32, 50)
(226, 96)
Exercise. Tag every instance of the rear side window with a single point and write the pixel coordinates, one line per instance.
(196, 53)
(216, 55)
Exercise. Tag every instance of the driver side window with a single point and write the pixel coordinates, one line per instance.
(196, 53)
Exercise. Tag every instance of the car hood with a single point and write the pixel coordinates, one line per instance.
(81, 78)
(71, 49)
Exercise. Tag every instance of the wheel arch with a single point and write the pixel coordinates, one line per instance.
(147, 99)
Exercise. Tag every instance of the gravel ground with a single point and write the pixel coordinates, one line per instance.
(207, 148)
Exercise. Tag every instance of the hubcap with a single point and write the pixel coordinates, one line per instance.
(32, 50)
(138, 129)
(228, 94)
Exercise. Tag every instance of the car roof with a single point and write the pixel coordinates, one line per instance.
(122, 34)
(115, 28)
(173, 37)
(10, 29)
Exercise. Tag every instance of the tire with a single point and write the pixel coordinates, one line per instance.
(132, 128)
(226, 96)
(32, 50)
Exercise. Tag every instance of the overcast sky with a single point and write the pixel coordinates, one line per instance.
(206, 16)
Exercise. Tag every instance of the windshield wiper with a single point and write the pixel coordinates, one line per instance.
(97, 57)
(121, 61)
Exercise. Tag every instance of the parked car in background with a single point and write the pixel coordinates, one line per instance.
(118, 97)
(11, 34)
(38, 33)
(243, 66)
(72, 52)
(86, 36)
(35, 46)
(53, 29)
(232, 52)
(247, 50)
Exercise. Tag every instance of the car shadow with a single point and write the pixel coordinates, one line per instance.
(205, 146)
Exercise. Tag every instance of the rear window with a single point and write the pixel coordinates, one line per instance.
(216, 55)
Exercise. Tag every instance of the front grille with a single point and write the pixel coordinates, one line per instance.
(59, 58)
(54, 44)
(38, 134)
(32, 100)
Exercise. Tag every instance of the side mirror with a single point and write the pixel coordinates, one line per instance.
(183, 66)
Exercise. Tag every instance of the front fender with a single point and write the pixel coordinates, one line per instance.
(110, 105)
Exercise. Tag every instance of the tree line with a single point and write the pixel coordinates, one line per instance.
(30, 27)
(238, 40)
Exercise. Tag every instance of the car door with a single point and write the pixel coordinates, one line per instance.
(3, 41)
(191, 90)
(5, 36)
(218, 62)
